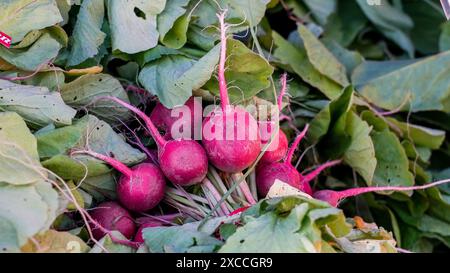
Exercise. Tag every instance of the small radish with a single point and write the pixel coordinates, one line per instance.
(163, 120)
(140, 188)
(230, 134)
(139, 238)
(183, 161)
(267, 174)
(335, 197)
(278, 147)
(111, 216)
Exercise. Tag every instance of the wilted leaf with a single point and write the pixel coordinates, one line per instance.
(423, 81)
(82, 93)
(36, 105)
(19, 17)
(43, 50)
(53, 241)
(322, 59)
(133, 24)
(87, 35)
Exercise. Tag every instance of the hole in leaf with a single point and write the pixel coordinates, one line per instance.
(75, 98)
(139, 13)
(242, 241)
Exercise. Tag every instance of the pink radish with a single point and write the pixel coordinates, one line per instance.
(236, 152)
(163, 120)
(183, 161)
(335, 197)
(278, 148)
(111, 216)
(139, 238)
(140, 188)
(266, 174)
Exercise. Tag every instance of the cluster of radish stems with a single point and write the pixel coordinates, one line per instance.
(210, 195)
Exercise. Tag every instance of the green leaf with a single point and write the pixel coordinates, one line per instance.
(9, 238)
(360, 155)
(322, 59)
(87, 35)
(133, 24)
(31, 209)
(82, 92)
(13, 129)
(321, 9)
(334, 111)
(350, 59)
(36, 105)
(19, 17)
(392, 162)
(420, 135)
(43, 50)
(270, 233)
(52, 80)
(173, 77)
(444, 39)
(392, 22)
(344, 25)
(173, 24)
(297, 59)
(54, 145)
(111, 247)
(251, 10)
(247, 73)
(427, 17)
(388, 84)
(179, 239)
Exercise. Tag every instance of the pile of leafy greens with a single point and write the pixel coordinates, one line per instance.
(371, 80)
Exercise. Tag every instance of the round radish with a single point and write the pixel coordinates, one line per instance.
(140, 188)
(230, 134)
(278, 147)
(163, 120)
(138, 238)
(111, 216)
(267, 174)
(183, 162)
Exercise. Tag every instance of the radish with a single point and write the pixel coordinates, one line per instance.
(163, 120)
(278, 147)
(230, 134)
(267, 174)
(140, 188)
(111, 216)
(335, 197)
(183, 161)
(138, 238)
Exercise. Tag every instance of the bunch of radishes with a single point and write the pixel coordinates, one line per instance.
(184, 162)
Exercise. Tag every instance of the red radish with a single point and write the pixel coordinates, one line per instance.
(266, 174)
(335, 197)
(278, 148)
(111, 216)
(183, 161)
(163, 120)
(138, 238)
(140, 188)
(230, 134)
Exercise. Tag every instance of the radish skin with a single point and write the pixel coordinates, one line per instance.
(235, 153)
(183, 162)
(111, 216)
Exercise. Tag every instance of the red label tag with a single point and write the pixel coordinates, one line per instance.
(446, 6)
(5, 40)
